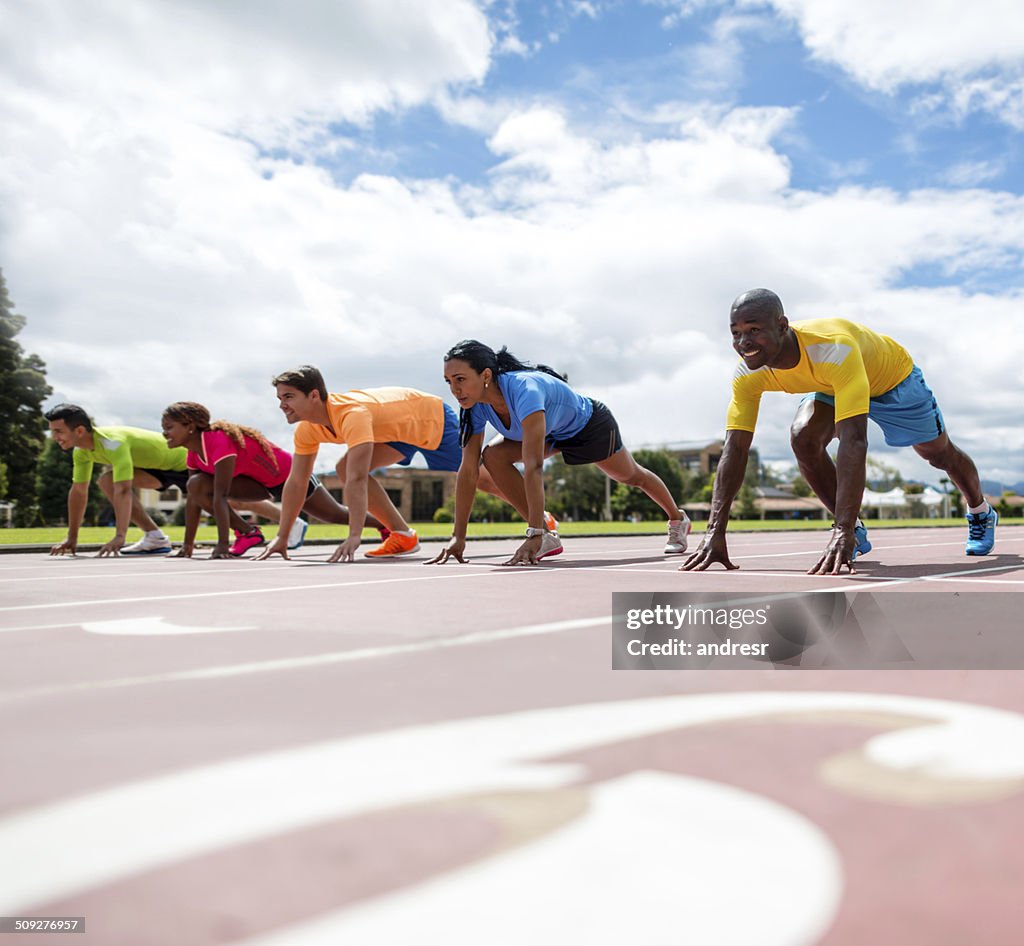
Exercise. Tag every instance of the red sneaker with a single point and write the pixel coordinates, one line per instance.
(245, 541)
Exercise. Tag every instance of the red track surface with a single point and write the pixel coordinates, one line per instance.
(215, 752)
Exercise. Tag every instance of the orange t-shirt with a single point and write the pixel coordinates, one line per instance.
(376, 415)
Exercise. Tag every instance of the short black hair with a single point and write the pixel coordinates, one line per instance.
(759, 300)
(305, 378)
(72, 415)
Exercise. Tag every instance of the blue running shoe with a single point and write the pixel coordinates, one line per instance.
(981, 531)
(863, 546)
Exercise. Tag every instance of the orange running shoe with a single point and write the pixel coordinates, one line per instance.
(395, 545)
(550, 522)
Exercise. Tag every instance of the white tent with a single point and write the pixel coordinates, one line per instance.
(895, 498)
(890, 505)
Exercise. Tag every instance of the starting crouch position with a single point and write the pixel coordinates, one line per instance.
(848, 373)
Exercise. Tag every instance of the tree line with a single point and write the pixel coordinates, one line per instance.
(34, 471)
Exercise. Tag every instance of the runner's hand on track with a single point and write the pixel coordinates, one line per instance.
(220, 550)
(113, 547)
(838, 552)
(278, 547)
(346, 552)
(527, 553)
(712, 549)
(455, 549)
(67, 547)
(184, 552)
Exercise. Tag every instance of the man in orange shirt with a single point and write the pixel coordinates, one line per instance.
(381, 427)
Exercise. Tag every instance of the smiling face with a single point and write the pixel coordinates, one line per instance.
(759, 337)
(68, 438)
(175, 432)
(295, 405)
(465, 382)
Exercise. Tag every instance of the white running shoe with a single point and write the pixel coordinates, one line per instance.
(297, 533)
(550, 545)
(678, 530)
(149, 544)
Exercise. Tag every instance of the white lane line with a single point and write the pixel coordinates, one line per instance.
(314, 660)
(128, 829)
(38, 627)
(980, 581)
(282, 589)
(618, 868)
(125, 576)
(944, 575)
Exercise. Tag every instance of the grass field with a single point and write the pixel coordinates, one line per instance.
(426, 530)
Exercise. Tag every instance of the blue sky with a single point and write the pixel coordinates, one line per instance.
(629, 55)
(203, 195)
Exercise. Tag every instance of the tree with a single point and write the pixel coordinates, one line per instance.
(752, 474)
(486, 508)
(627, 501)
(23, 389)
(575, 492)
(53, 478)
(746, 507)
(800, 486)
(881, 475)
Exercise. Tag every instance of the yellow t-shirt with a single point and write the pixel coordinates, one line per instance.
(837, 357)
(376, 415)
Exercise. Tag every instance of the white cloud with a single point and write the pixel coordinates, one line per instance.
(887, 44)
(159, 255)
(973, 173)
(973, 56)
(974, 53)
(249, 66)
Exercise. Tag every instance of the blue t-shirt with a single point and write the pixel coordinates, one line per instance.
(565, 412)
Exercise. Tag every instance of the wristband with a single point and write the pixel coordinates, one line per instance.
(533, 533)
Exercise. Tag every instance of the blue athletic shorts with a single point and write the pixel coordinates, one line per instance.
(908, 414)
(448, 454)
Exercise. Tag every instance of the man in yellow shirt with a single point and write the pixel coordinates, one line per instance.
(849, 374)
(381, 427)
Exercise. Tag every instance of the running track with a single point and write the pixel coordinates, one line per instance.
(384, 753)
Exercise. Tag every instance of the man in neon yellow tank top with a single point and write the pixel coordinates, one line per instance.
(137, 458)
(848, 373)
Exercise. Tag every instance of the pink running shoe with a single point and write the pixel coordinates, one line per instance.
(245, 541)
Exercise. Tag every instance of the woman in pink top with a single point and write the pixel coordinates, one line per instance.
(231, 462)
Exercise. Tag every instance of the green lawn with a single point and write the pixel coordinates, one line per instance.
(96, 536)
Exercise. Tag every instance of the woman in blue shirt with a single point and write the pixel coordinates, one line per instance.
(537, 414)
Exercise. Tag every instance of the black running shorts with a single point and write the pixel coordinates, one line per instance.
(276, 492)
(597, 441)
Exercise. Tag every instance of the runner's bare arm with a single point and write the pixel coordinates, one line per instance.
(78, 498)
(357, 472)
(728, 479)
(851, 464)
(465, 492)
(534, 429)
(293, 496)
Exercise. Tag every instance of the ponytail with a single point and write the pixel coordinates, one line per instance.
(479, 356)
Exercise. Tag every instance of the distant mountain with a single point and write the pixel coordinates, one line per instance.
(995, 488)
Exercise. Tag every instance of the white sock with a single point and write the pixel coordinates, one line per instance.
(983, 508)
(410, 533)
(156, 534)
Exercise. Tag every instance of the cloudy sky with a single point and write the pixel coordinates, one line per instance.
(196, 195)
